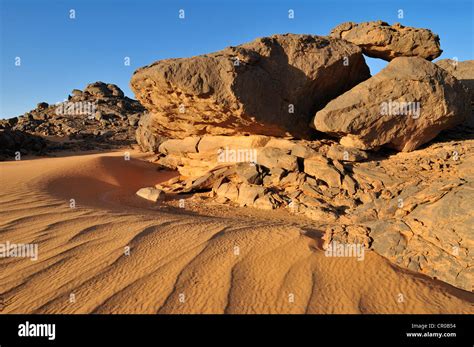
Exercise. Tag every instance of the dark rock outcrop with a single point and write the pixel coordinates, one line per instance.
(100, 117)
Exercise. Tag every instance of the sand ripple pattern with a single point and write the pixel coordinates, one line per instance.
(178, 262)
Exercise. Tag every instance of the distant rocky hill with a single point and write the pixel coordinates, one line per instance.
(99, 117)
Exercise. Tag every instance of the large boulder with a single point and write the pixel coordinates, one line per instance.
(381, 40)
(464, 72)
(271, 86)
(404, 106)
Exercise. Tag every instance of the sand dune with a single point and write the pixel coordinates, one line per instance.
(179, 261)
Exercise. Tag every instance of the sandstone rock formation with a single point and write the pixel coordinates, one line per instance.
(222, 122)
(404, 106)
(381, 40)
(412, 208)
(146, 135)
(464, 72)
(271, 86)
(279, 173)
(100, 117)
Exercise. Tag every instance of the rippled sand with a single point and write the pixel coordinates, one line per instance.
(180, 261)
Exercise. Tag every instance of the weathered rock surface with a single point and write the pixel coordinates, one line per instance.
(464, 72)
(380, 40)
(271, 86)
(320, 168)
(404, 106)
(420, 218)
(272, 157)
(146, 136)
(100, 117)
(270, 181)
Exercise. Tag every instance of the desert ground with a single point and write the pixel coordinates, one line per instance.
(117, 253)
(228, 179)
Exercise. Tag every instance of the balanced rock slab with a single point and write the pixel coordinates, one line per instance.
(380, 40)
(271, 86)
(404, 106)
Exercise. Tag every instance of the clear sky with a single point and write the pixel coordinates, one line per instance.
(59, 54)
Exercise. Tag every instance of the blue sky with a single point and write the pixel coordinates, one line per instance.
(59, 54)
